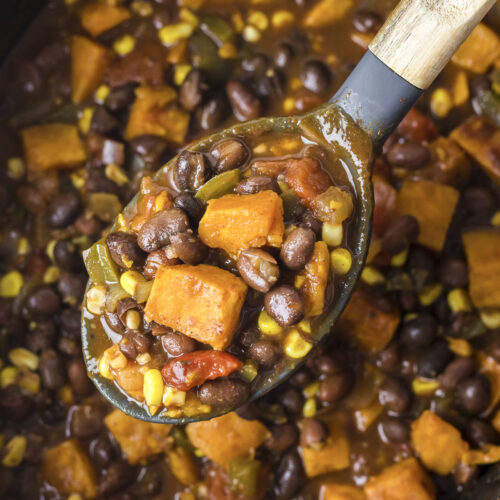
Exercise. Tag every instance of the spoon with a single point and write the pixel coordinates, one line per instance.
(410, 50)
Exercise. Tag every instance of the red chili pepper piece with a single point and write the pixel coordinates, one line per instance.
(194, 368)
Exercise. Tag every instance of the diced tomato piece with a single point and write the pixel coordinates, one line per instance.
(385, 204)
(417, 127)
(306, 177)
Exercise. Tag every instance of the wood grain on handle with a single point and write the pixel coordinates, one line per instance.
(420, 36)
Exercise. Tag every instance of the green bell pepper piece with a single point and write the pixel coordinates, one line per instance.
(219, 185)
(244, 475)
(100, 267)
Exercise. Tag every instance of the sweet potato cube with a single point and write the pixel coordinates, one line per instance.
(203, 302)
(55, 145)
(371, 326)
(138, 440)
(327, 12)
(234, 222)
(154, 112)
(313, 279)
(338, 491)
(482, 248)
(437, 443)
(67, 468)
(405, 478)
(224, 438)
(365, 417)
(99, 17)
(479, 51)
(131, 380)
(433, 205)
(480, 137)
(88, 62)
(333, 456)
(488, 454)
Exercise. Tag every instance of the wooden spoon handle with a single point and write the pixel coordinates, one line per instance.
(420, 36)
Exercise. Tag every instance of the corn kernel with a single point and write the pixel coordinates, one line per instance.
(288, 104)
(305, 326)
(180, 73)
(260, 149)
(309, 408)
(238, 23)
(15, 167)
(117, 359)
(267, 325)
(228, 51)
(173, 33)
(459, 300)
(22, 358)
(104, 369)
(459, 346)
(116, 174)
(102, 93)
(23, 246)
(78, 178)
(8, 376)
(495, 220)
(75, 496)
(142, 8)
(173, 397)
(258, 19)
(198, 453)
(189, 17)
(341, 260)
(251, 34)
(136, 285)
(332, 234)
(133, 319)
(490, 318)
(311, 390)
(249, 370)
(399, 259)
(430, 294)
(30, 381)
(441, 103)
(11, 284)
(85, 120)
(424, 387)
(124, 45)
(372, 276)
(282, 18)
(143, 359)
(14, 450)
(96, 299)
(66, 395)
(153, 387)
(295, 346)
(51, 274)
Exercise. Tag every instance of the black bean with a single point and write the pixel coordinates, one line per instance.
(97, 182)
(283, 55)
(394, 395)
(117, 477)
(312, 432)
(34, 448)
(421, 264)
(434, 359)
(480, 432)
(14, 405)
(71, 287)
(229, 154)
(79, 379)
(258, 269)
(28, 77)
(292, 401)
(101, 451)
(367, 21)
(120, 97)
(70, 323)
(157, 259)
(289, 476)
(114, 322)
(408, 300)
(245, 104)
(156, 231)
(124, 250)
(257, 63)
(271, 85)
(283, 436)
(335, 362)
(419, 332)
(176, 343)
(458, 370)
(192, 206)
(302, 378)
(474, 394)
(309, 221)
(333, 388)
(285, 305)
(224, 393)
(86, 421)
(494, 349)
(51, 56)
(192, 90)
(248, 411)
(316, 76)
(64, 209)
(42, 336)
(479, 200)
(103, 121)
(190, 171)
(43, 301)
(395, 430)
(189, 248)
(66, 255)
(89, 225)
(32, 200)
(211, 114)
(453, 273)
(248, 336)
(256, 183)
(143, 342)
(150, 148)
(297, 248)
(128, 349)
(51, 370)
(408, 155)
(402, 231)
(265, 353)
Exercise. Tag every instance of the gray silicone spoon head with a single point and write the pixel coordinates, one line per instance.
(373, 100)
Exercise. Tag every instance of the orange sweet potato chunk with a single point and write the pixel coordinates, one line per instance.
(55, 145)
(138, 440)
(405, 478)
(479, 51)
(234, 222)
(154, 112)
(88, 62)
(203, 302)
(433, 205)
(224, 438)
(338, 491)
(437, 443)
(97, 17)
(131, 380)
(371, 326)
(67, 468)
(327, 12)
(482, 248)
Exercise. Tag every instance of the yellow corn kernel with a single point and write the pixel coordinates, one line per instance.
(309, 408)
(495, 220)
(260, 149)
(173, 33)
(14, 450)
(85, 120)
(180, 73)
(251, 34)
(295, 346)
(374, 249)
(78, 178)
(238, 22)
(102, 93)
(173, 397)
(490, 318)
(117, 359)
(424, 387)
(153, 387)
(228, 51)
(267, 325)
(288, 104)
(8, 376)
(249, 370)
(198, 453)
(104, 369)
(459, 300)
(305, 326)
(96, 299)
(332, 234)
(311, 390)
(399, 259)
(341, 260)
(22, 358)
(75, 496)
(15, 167)
(282, 18)
(23, 246)
(189, 17)
(430, 294)
(11, 284)
(51, 274)
(143, 359)
(136, 285)
(258, 19)
(460, 346)
(441, 103)
(133, 319)
(124, 45)
(30, 381)
(66, 395)
(49, 249)
(142, 8)
(116, 174)
(372, 276)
